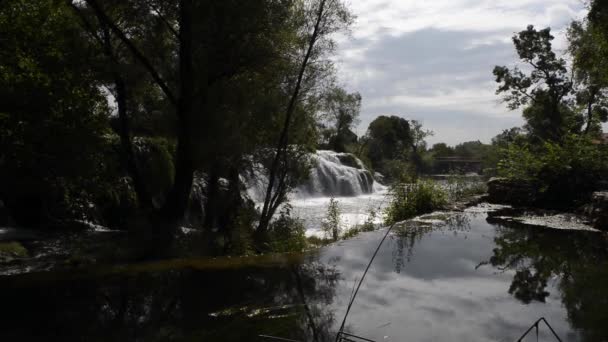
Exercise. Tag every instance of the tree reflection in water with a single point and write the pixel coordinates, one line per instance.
(578, 261)
(173, 305)
(408, 233)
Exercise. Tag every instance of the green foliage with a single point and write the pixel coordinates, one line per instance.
(12, 250)
(411, 199)
(474, 151)
(155, 159)
(287, 234)
(544, 90)
(241, 236)
(53, 118)
(340, 112)
(332, 224)
(588, 46)
(442, 150)
(563, 172)
(369, 224)
(460, 187)
(387, 139)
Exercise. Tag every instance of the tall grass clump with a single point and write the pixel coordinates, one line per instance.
(411, 199)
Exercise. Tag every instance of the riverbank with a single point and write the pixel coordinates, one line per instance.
(592, 210)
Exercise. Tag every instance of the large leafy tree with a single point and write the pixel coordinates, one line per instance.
(318, 21)
(53, 117)
(589, 47)
(341, 113)
(543, 87)
(387, 143)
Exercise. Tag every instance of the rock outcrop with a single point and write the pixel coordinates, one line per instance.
(597, 210)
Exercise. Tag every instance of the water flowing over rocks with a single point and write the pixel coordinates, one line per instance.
(337, 174)
(334, 174)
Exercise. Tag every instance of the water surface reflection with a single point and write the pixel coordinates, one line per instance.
(443, 277)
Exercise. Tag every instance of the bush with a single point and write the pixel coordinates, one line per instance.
(287, 234)
(411, 199)
(332, 223)
(562, 172)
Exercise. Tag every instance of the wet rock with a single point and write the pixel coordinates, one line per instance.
(598, 210)
(507, 191)
(539, 218)
(349, 160)
(378, 177)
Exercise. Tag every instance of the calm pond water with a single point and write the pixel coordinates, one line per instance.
(445, 277)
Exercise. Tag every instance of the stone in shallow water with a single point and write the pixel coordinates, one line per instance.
(599, 210)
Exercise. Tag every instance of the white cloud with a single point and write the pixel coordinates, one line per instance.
(423, 59)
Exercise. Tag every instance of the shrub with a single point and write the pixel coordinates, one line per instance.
(563, 172)
(332, 223)
(287, 234)
(411, 199)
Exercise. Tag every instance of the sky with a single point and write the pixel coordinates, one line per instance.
(432, 60)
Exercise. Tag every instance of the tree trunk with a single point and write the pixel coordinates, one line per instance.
(128, 155)
(267, 210)
(177, 200)
(129, 159)
(590, 110)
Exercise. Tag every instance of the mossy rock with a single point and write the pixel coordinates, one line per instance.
(12, 250)
(349, 160)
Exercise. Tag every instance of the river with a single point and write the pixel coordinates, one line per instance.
(444, 277)
(485, 274)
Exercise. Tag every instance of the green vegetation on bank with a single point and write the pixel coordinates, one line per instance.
(560, 152)
(145, 115)
(416, 196)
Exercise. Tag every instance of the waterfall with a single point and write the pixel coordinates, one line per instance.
(337, 174)
(334, 174)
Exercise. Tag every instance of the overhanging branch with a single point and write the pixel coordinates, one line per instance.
(134, 50)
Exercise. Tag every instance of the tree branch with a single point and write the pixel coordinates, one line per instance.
(134, 50)
(163, 19)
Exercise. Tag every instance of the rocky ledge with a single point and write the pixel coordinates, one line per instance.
(597, 210)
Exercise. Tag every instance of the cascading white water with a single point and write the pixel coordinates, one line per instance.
(339, 175)
(334, 175)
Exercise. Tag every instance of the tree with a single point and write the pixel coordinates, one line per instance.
(321, 18)
(54, 154)
(332, 224)
(387, 138)
(544, 90)
(590, 52)
(508, 136)
(341, 112)
(418, 144)
(177, 197)
(441, 150)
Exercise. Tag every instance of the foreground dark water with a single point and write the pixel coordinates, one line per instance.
(452, 277)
